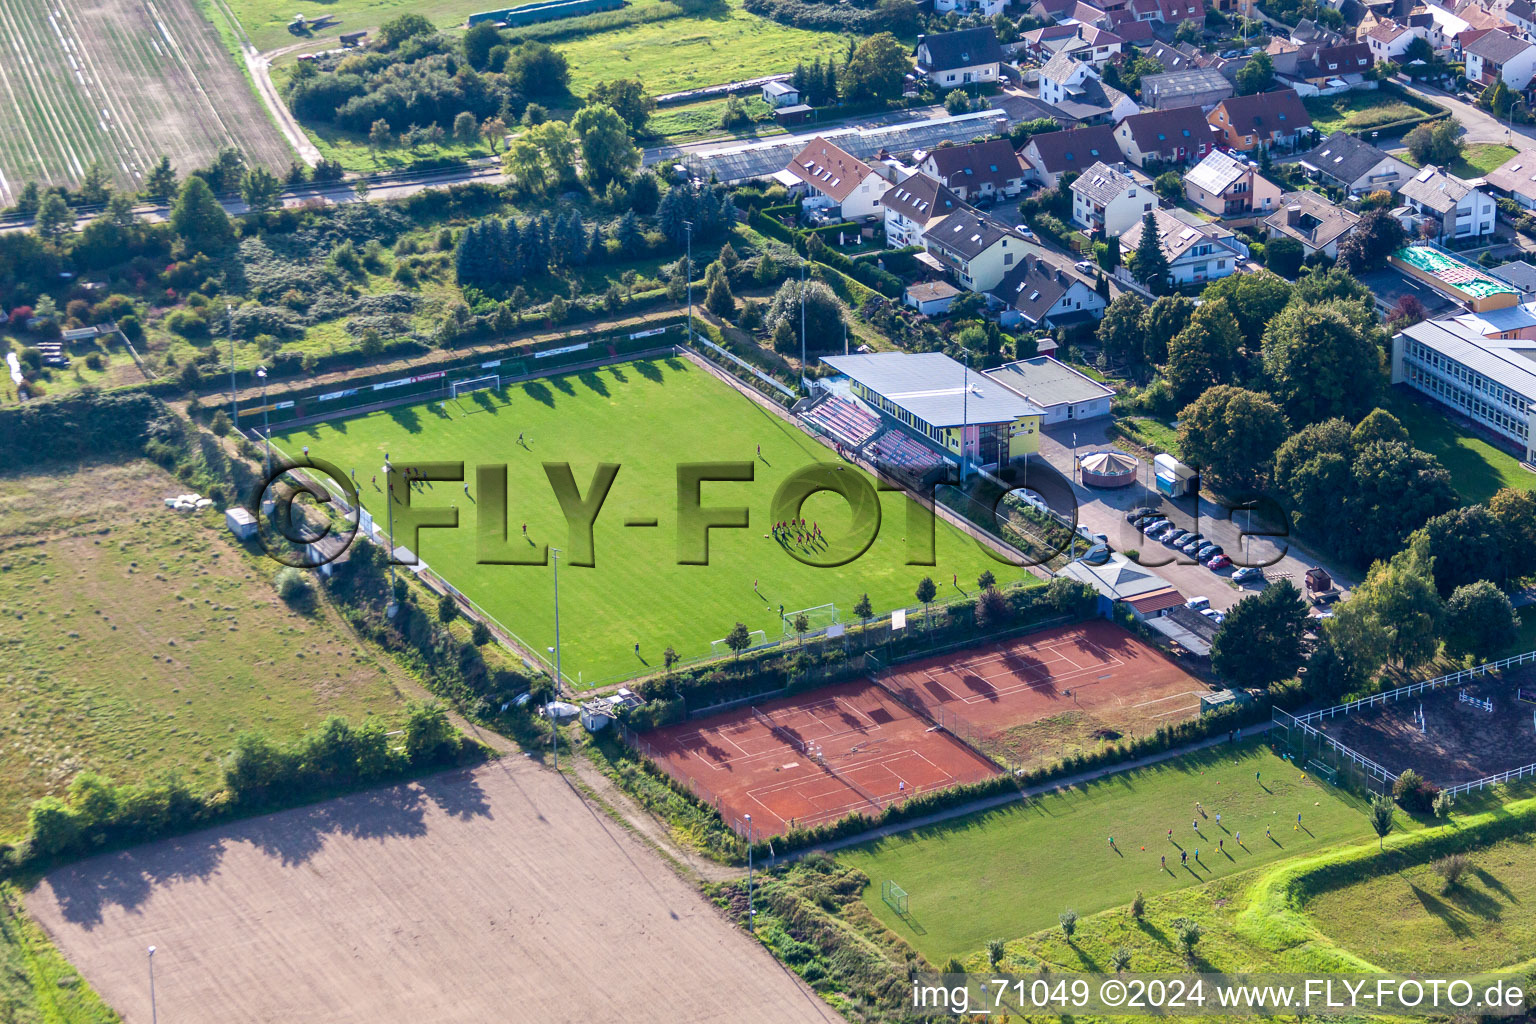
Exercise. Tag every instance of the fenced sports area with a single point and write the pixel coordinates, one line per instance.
(1049, 694)
(648, 416)
(1461, 732)
(812, 758)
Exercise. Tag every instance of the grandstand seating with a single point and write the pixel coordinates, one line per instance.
(845, 420)
(894, 448)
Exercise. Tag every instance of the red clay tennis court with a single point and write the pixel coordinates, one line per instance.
(813, 758)
(1049, 694)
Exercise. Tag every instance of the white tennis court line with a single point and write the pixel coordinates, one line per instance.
(833, 704)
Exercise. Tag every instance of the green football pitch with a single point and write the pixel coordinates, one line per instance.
(1010, 872)
(648, 417)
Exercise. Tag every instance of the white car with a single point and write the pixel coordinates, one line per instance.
(1198, 604)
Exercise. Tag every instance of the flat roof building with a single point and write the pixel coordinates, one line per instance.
(944, 402)
(1060, 391)
(1490, 380)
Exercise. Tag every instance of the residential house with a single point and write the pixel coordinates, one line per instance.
(1174, 137)
(1047, 157)
(1197, 87)
(1229, 186)
(980, 170)
(1196, 253)
(844, 180)
(1098, 46)
(1516, 178)
(1446, 28)
(1074, 89)
(1109, 199)
(1389, 40)
(1450, 207)
(1312, 220)
(1496, 55)
(1346, 162)
(951, 59)
(1044, 43)
(1042, 291)
(1520, 15)
(1246, 123)
(1308, 32)
(1177, 56)
(985, 8)
(930, 298)
(1520, 274)
(780, 94)
(1061, 73)
(978, 249)
(912, 206)
(1318, 69)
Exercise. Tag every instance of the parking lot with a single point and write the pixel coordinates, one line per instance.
(1103, 511)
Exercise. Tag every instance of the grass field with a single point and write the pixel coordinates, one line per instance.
(138, 641)
(1404, 921)
(1477, 468)
(702, 121)
(36, 983)
(1010, 872)
(120, 83)
(1477, 159)
(1355, 110)
(648, 417)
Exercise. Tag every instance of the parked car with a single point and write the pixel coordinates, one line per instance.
(1192, 544)
(1214, 615)
(1246, 573)
(1152, 525)
(1024, 230)
(1206, 550)
(1136, 515)
(1198, 604)
(1158, 530)
(1175, 539)
(1218, 563)
(1086, 267)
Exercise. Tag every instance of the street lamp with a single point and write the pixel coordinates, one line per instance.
(229, 328)
(554, 732)
(154, 1015)
(687, 227)
(751, 908)
(805, 384)
(266, 429)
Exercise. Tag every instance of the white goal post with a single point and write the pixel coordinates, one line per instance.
(756, 638)
(819, 617)
(490, 382)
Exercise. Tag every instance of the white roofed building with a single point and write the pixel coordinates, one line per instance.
(1489, 379)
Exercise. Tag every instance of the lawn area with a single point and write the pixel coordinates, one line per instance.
(1151, 432)
(1405, 921)
(266, 21)
(139, 641)
(1477, 159)
(694, 121)
(648, 417)
(1009, 872)
(714, 43)
(1358, 110)
(1477, 468)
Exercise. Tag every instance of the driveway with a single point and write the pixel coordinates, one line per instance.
(1103, 511)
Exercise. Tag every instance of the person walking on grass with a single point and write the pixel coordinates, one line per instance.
(1239, 839)
(1183, 856)
(1165, 862)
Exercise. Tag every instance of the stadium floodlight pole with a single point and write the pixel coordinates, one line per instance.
(554, 732)
(688, 228)
(266, 428)
(751, 908)
(805, 385)
(965, 409)
(154, 1014)
(229, 328)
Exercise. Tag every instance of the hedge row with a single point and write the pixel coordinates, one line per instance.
(75, 427)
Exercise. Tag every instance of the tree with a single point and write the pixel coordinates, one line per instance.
(1284, 256)
(478, 42)
(1148, 264)
(802, 625)
(1187, 32)
(739, 638)
(992, 608)
(447, 608)
(52, 827)
(1256, 75)
(1204, 353)
(1120, 959)
(986, 579)
(1319, 365)
(1231, 435)
(95, 186)
(995, 952)
(823, 317)
(1255, 300)
(1514, 510)
(260, 189)
(538, 70)
(1165, 318)
(429, 735)
(606, 151)
(926, 592)
(877, 70)
(198, 219)
(719, 300)
(1382, 810)
(1189, 933)
(1068, 919)
(160, 183)
(627, 98)
(863, 609)
(466, 130)
(1377, 236)
(670, 657)
(1438, 143)
(1467, 545)
(1394, 614)
(1169, 187)
(1497, 98)
(1259, 643)
(402, 27)
(1479, 620)
(54, 219)
(493, 130)
(480, 634)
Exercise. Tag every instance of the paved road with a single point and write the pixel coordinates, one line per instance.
(1479, 125)
(1104, 512)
